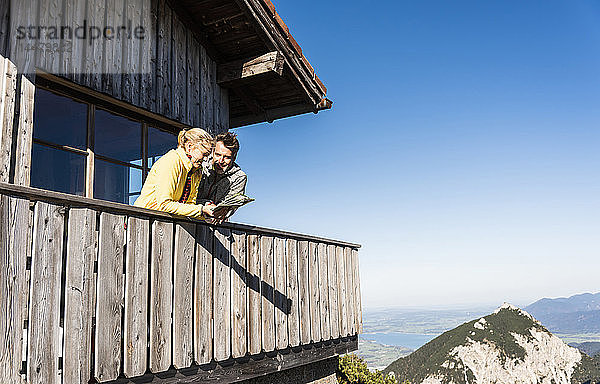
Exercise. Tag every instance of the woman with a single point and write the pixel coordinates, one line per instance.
(172, 183)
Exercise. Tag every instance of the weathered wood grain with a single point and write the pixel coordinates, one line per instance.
(304, 291)
(113, 49)
(48, 57)
(267, 290)
(44, 344)
(93, 58)
(222, 294)
(4, 27)
(281, 299)
(24, 13)
(135, 332)
(206, 92)
(72, 52)
(24, 133)
(292, 292)
(79, 296)
(183, 354)
(230, 73)
(357, 298)
(161, 299)
(180, 78)
(109, 297)
(349, 290)
(315, 302)
(341, 290)
(324, 292)
(203, 293)
(8, 89)
(224, 110)
(14, 225)
(148, 59)
(164, 61)
(193, 73)
(334, 317)
(132, 54)
(254, 295)
(238, 295)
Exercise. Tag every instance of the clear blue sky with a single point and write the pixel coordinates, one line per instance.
(462, 151)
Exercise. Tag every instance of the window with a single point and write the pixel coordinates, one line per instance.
(88, 147)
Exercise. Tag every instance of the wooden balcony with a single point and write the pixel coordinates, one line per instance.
(93, 291)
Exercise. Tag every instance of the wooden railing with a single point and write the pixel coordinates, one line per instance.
(94, 290)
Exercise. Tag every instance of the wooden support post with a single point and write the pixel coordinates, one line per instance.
(24, 133)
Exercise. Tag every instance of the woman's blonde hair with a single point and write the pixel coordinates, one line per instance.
(196, 136)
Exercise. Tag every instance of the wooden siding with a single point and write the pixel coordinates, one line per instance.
(161, 275)
(168, 73)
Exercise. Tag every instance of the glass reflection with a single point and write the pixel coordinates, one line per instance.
(117, 137)
(116, 182)
(159, 143)
(57, 170)
(59, 120)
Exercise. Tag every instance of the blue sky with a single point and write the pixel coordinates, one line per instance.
(462, 150)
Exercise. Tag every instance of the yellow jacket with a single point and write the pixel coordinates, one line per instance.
(164, 186)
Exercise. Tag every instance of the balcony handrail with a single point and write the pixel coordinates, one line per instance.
(109, 206)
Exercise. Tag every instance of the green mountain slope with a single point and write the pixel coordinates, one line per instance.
(508, 346)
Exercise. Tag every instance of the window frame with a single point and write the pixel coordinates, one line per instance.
(114, 107)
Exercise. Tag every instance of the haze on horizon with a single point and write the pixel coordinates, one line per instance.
(462, 150)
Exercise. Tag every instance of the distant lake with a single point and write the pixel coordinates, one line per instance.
(408, 340)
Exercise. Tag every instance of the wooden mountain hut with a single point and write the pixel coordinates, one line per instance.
(94, 290)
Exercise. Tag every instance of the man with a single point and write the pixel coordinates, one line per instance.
(224, 177)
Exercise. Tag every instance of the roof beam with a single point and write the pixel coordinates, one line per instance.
(232, 74)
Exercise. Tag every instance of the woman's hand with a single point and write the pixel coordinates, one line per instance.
(208, 209)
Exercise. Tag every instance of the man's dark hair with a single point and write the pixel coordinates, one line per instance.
(230, 142)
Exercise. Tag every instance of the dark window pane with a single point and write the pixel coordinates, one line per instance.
(117, 137)
(115, 182)
(59, 120)
(57, 170)
(159, 143)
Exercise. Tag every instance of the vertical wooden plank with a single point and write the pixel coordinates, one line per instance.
(323, 292)
(23, 13)
(180, 81)
(24, 133)
(206, 92)
(163, 61)
(334, 317)
(183, 354)
(203, 293)
(292, 292)
(341, 290)
(281, 299)
(73, 50)
(48, 57)
(131, 52)
(14, 228)
(267, 290)
(135, 332)
(357, 298)
(222, 294)
(109, 297)
(315, 303)
(44, 344)
(238, 295)
(303, 288)
(79, 296)
(8, 89)
(254, 295)
(193, 87)
(94, 49)
(113, 49)
(224, 108)
(349, 290)
(161, 299)
(148, 63)
(4, 27)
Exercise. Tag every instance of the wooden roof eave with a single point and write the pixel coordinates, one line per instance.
(272, 32)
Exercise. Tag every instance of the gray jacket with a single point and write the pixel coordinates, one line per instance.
(215, 187)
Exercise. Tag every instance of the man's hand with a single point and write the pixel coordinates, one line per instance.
(208, 209)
